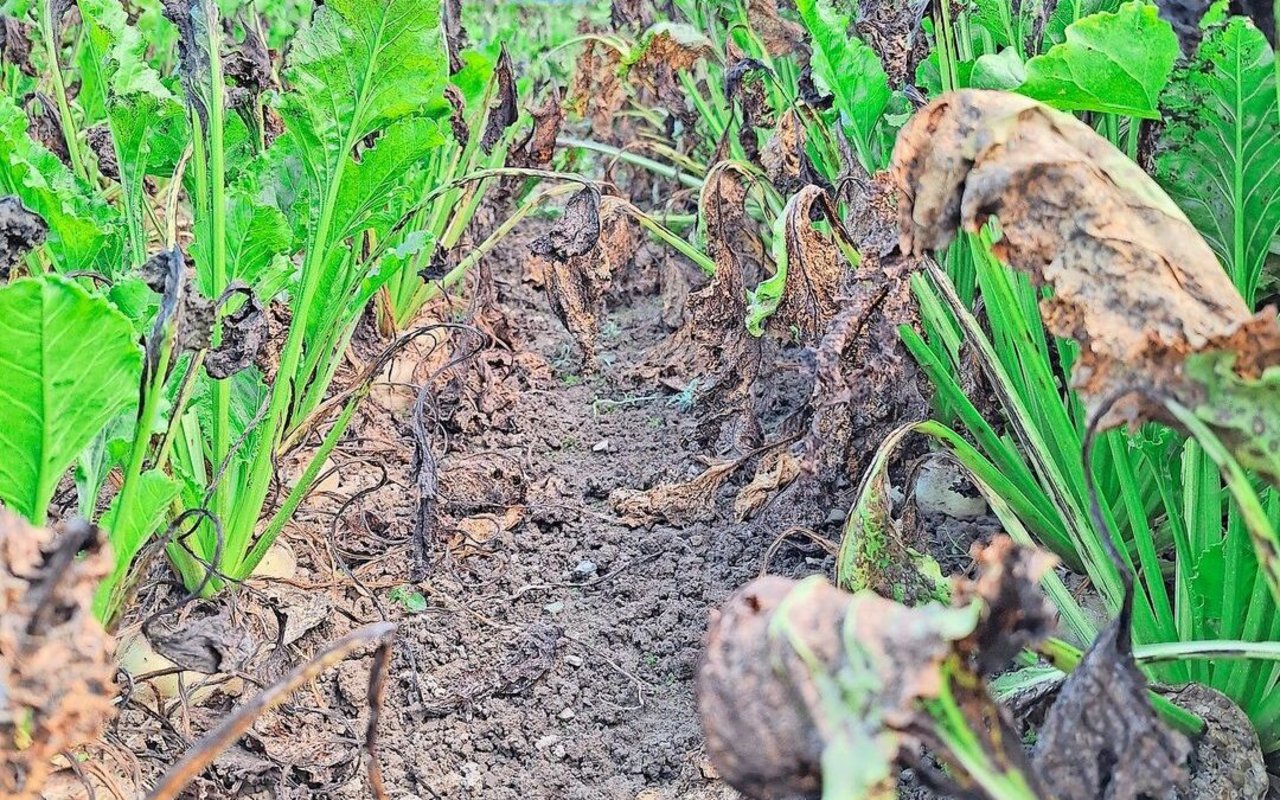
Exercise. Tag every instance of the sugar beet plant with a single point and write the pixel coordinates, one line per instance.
(165, 211)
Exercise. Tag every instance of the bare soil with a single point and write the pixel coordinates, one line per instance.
(549, 651)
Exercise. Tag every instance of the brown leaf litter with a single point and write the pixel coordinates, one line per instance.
(57, 671)
(21, 231)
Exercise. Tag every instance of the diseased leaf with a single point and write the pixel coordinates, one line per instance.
(21, 231)
(1116, 63)
(505, 111)
(1220, 151)
(781, 36)
(71, 363)
(809, 268)
(81, 224)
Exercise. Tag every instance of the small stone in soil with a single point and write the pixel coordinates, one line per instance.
(554, 608)
(573, 661)
(567, 714)
(601, 446)
(584, 570)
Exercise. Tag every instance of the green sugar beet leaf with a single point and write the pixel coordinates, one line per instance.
(1115, 63)
(1243, 412)
(1220, 153)
(851, 71)
(71, 363)
(81, 225)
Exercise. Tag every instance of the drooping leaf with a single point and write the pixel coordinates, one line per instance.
(850, 70)
(81, 225)
(1220, 156)
(71, 363)
(1116, 63)
(1003, 70)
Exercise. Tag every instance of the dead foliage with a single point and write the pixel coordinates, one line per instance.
(579, 258)
(634, 14)
(776, 471)
(248, 65)
(817, 270)
(596, 91)
(455, 36)
(675, 503)
(1157, 317)
(506, 107)
(781, 36)
(57, 672)
(537, 147)
(15, 43)
(894, 31)
(98, 137)
(244, 332)
(45, 126)
(1102, 740)
(21, 231)
(784, 159)
(713, 346)
(744, 88)
(801, 682)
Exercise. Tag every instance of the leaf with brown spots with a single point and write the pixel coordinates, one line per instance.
(1158, 319)
(596, 91)
(684, 503)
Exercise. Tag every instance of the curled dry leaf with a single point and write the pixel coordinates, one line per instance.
(193, 51)
(596, 91)
(99, 139)
(455, 36)
(203, 638)
(784, 159)
(45, 126)
(677, 503)
(21, 231)
(15, 43)
(776, 471)
(744, 88)
(781, 36)
(244, 331)
(894, 31)
(713, 346)
(635, 14)
(184, 312)
(538, 146)
(581, 255)
(506, 109)
(815, 270)
(802, 684)
(56, 667)
(457, 115)
(879, 551)
(249, 66)
(1156, 315)
(1102, 740)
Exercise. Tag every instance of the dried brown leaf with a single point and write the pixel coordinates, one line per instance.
(244, 332)
(506, 109)
(1132, 280)
(784, 159)
(16, 38)
(775, 473)
(799, 680)
(57, 673)
(596, 91)
(676, 503)
(457, 115)
(816, 268)
(455, 36)
(538, 146)
(781, 36)
(894, 31)
(1102, 740)
(45, 126)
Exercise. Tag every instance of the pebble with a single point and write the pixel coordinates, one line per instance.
(584, 570)
(550, 740)
(601, 446)
(567, 714)
(573, 661)
(554, 608)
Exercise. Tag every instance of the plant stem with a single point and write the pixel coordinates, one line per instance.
(69, 132)
(635, 159)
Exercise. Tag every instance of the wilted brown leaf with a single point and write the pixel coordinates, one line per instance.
(816, 268)
(776, 472)
(244, 331)
(505, 110)
(894, 31)
(538, 146)
(57, 673)
(457, 115)
(784, 159)
(1102, 740)
(1132, 280)
(677, 503)
(781, 36)
(596, 91)
(580, 255)
(455, 36)
(45, 126)
(713, 346)
(15, 43)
